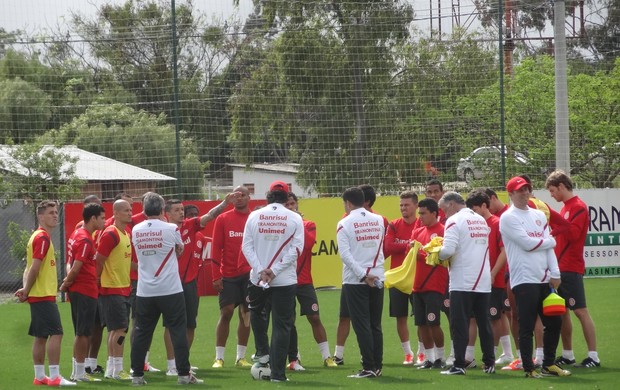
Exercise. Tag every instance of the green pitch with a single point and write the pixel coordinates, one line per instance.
(17, 372)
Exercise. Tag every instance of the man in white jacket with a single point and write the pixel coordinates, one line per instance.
(273, 239)
(360, 244)
(466, 242)
(533, 270)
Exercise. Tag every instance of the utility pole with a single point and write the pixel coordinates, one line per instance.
(562, 136)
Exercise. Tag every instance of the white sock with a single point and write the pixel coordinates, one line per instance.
(452, 348)
(429, 354)
(146, 357)
(219, 352)
(172, 364)
(88, 362)
(54, 371)
(568, 354)
(504, 341)
(594, 356)
(241, 351)
(339, 352)
(540, 354)
(420, 348)
(469, 353)
(80, 370)
(73, 373)
(495, 349)
(39, 371)
(324, 348)
(109, 366)
(440, 353)
(118, 365)
(406, 347)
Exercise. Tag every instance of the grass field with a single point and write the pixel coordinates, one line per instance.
(17, 373)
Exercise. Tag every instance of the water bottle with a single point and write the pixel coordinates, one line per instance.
(378, 283)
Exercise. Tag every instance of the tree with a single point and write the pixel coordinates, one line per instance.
(134, 137)
(24, 111)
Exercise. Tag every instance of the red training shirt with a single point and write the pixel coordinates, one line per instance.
(81, 247)
(397, 240)
(571, 241)
(427, 277)
(228, 260)
(495, 246)
(304, 261)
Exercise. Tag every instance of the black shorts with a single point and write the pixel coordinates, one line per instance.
(192, 300)
(114, 311)
(572, 290)
(427, 307)
(44, 319)
(98, 319)
(308, 302)
(83, 310)
(234, 290)
(498, 303)
(344, 308)
(445, 306)
(132, 298)
(399, 303)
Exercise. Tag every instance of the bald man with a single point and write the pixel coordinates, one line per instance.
(113, 266)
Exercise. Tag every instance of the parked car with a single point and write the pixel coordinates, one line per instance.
(485, 161)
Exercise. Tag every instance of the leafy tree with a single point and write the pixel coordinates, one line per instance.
(24, 111)
(134, 137)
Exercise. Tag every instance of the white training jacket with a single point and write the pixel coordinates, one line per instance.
(273, 238)
(529, 246)
(360, 244)
(154, 242)
(466, 240)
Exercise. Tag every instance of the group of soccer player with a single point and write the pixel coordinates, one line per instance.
(101, 280)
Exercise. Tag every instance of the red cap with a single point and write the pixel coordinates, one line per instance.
(516, 183)
(279, 186)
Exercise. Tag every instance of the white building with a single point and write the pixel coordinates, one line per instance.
(258, 177)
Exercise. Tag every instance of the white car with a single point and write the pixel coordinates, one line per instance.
(485, 161)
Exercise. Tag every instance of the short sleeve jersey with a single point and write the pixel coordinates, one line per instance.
(397, 237)
(40, 247)
(304, 262)
(427, 277)
(188, 267)
(495, 246)
(81, 247)
(228, 259)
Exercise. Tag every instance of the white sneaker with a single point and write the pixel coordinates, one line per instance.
(60, 381)
(149, 368)
(172, 372)
(504, 359)
(296, 366)
(189, 380)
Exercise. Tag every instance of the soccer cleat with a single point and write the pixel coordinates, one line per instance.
(504, 359)
(172, 372)
(562, 361)
(379, 372)
(538, 363)
(41, 382)
(189, 380)
(149, 368)
(516, 365)
(454, 371)
(59, 381)
(588, 363)
(471, 364)
(329, 362)
(533, 374)
(277, 380)
(438, 363)
(408, 359)
(426, 366)
(138, 381)
(421, 359)
(488, 369)
(242, 363)
(85, 378)
(96, 370)
(554, 370)
(295, 365)
(364, 374)
(339, 361)
(218, 363)
(122, 376)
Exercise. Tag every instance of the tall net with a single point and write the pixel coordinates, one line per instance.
(112, 96)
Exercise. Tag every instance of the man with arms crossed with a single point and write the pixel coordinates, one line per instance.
(157, 245)
(40, 288)
(569, 251)
(360, 244)
(397, 239)
(466, 243)
(230, 274)
(113, 266)
(273, 239)
(81, 282)
(533, 270)
(429, 288)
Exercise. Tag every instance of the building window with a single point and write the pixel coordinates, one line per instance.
(250, 187)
